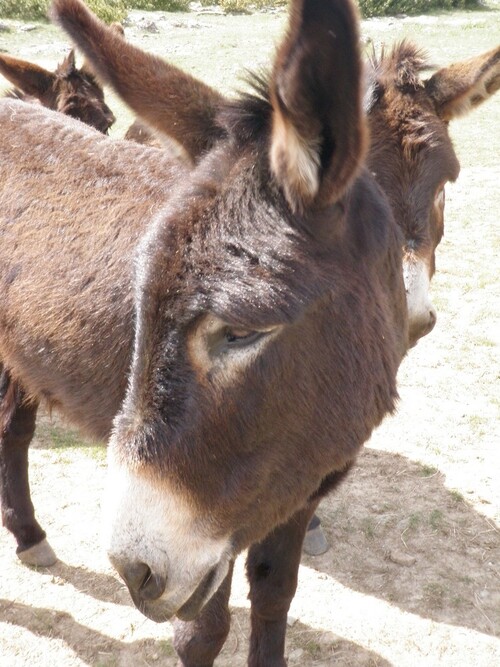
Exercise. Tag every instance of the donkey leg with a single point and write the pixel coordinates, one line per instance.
(17, 425)
(272, 568)
(199, 642)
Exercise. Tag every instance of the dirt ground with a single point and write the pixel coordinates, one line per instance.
(412, 577)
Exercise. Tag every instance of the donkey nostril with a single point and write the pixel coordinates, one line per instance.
(134, 574)
(142, 581)
(152, 587)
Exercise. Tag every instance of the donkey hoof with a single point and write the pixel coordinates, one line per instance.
(315, 542)
(39, 555)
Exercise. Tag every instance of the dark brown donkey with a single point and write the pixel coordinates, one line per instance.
(263, 309)
(411, 154)
(72, 91)
(412, 158)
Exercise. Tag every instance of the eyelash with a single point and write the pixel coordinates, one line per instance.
(234, 338)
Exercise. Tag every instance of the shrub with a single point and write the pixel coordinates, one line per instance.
(116, 10)
(23, 9)
(32, 10)
(392, 7)
(234, 6)
(159, 5)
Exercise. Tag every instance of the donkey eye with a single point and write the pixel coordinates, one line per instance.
(235, 337)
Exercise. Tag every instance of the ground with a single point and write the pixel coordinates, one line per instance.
(412, 577)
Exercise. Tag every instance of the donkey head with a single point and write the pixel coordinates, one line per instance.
(412, 156)
(270, 317)
(72, 91)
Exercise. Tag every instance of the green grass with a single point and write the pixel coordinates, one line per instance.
(56, 437)
(166, 648)
(435, 594)
(61, 441)
(368, 527)
(427, 470)
(436, 519)
(414, 521)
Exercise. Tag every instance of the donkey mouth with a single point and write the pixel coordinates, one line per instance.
(161, 610)
(195, 603)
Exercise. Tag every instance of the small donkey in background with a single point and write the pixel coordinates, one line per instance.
(72, 91)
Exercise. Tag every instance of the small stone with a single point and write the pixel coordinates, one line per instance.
(150, 26)
(401, 558)
(296, 654)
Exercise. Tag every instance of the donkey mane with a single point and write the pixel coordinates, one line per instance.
(397, 71)
(398, 67)
(249, 114)
(403, 64)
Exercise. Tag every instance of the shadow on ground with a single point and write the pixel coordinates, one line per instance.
(305, 647)
(396, 532)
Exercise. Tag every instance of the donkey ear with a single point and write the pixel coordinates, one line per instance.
(167, 98)
(68, 65)
(30, 78)
(458, 89)
(119, 30)
(319, 130)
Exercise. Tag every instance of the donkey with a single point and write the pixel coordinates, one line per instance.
(259, 298)
(412, 158)
(410, 154)
(72, 91)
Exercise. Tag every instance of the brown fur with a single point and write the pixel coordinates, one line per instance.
(72, 91)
